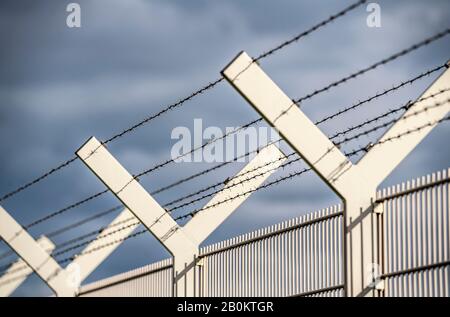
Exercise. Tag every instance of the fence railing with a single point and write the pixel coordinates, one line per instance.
(304, 256)
(416, 237)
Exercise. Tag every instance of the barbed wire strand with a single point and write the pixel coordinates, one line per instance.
(297, 173)
(348, 139)
(384, 61)
(264, 186)
(333, 116)
(368, 121)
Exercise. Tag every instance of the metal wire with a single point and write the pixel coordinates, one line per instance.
(65, 209)
(332, 116)
(182, 101)
(82, 222)
(344, 132)
(311, 30)
(269, 184)
(385, 92)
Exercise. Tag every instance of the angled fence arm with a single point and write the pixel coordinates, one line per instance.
(176, 239)
(128, 190)
(34, 255)
(347, 180)
(251, 176)
(105, 244)
(19, 271)
(420, 114)
(285, 116)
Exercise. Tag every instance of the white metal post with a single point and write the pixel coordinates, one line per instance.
(355, 184)
(15, 275)
(81, 267)
(182, 243)
(35, 256)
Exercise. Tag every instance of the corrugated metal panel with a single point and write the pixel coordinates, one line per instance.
(151, 280)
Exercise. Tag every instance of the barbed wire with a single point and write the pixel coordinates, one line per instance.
(182, 101)
(65, 209)
(264, 186)
(384, 61)
(391, 58)
(341, 133)
(77, 224)
(38, 179)
(11, 280)
(332, 116)
(368, 121)
(334, 84)
(100, 237)
(223, 182)
(383, 93)
(4, 269)
(390, 122)
(135, 177)
(133, 235)
(98, 232)
(297, 173)
(406, 106)
(311, 30)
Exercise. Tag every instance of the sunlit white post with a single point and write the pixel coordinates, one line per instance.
(182, 242)
(355, 184)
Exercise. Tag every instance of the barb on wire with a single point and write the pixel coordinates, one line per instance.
(103, 236)
(269, 184)
(65, 209)
(298, 173)
(71, 258)
(92, 233)
(334, 84)
(39, 179)
(232, 185)
(206, 171)
(264, 186)
(311, 30)
(336, 114)
(13, 279)
(404, 107)
(385, 92)
(182, 101)
(135, 177)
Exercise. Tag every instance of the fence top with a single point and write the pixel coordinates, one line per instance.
(122, 277)
(391, 192)
(276, 229)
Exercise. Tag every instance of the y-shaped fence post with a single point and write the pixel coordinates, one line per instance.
(182, 242)
(16, 274)
(80, 268)
(35, 256)
(103, 245)
(355, 184)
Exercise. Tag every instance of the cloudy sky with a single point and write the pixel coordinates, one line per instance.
(59, 86)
